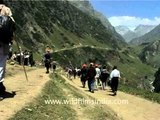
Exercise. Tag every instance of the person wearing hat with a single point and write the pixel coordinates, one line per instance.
(91, 77)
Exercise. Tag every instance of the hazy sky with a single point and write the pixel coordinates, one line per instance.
(129, 12)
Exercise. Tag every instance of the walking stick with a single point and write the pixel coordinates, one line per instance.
(21, 59)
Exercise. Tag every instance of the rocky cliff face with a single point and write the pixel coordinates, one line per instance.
(150, 54)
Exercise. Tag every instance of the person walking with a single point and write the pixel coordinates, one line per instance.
(6, 38)
(47, 60)
(91, 77)
(31, 59)
(98, 73)
(104, 76)
(83, 75)
(114, 77)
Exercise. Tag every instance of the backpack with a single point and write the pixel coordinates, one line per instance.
(7, 27)
(104, 74)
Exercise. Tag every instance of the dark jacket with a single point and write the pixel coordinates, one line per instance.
(104, 75)
(91, 73)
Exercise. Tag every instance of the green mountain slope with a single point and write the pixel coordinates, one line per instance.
(150, 54)
(59, 24)
(86, 7)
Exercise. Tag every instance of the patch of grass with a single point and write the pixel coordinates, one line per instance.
(140, 92)
(97, 113)
(12, 70)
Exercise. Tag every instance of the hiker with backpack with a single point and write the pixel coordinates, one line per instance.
(7, 27)
(104, 77)
(91, 77)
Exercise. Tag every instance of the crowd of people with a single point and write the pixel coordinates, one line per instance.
(22, 58)
(96, 75)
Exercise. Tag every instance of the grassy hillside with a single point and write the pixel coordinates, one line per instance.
(58, 24)
(86, 7)
(150, 54)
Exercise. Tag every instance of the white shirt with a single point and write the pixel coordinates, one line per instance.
(98, 72)
(115, 73)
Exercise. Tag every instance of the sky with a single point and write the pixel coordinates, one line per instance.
(130, 13)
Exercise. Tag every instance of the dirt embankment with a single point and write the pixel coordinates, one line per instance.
(25, 91)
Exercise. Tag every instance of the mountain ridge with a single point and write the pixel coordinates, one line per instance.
(151, 36)
(130, 35)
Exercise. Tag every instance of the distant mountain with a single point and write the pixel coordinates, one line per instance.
(151, 36)
(125, 32)
(87, 8)
(122, 30)
(128, 35)
(143, 29)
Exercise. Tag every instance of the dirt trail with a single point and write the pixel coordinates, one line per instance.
(136, 109)
(25, 91)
